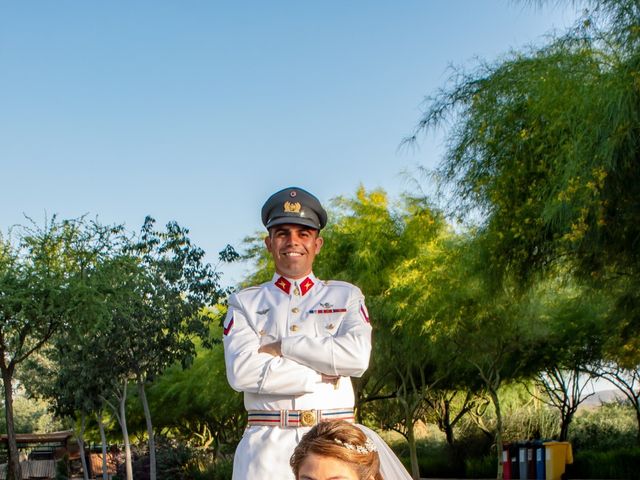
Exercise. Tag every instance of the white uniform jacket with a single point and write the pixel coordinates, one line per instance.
(324, 329)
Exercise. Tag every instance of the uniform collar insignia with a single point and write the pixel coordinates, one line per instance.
(287, 285)
(306, 285)
(283, 284)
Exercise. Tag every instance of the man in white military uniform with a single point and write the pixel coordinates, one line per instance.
(291, 343)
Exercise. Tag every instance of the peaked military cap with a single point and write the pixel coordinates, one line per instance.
(293, 205)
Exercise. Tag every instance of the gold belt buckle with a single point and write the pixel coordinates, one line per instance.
(307, 418)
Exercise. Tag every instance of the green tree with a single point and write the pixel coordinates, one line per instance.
(448, 407)
(41, 283)
(31, 415)
(77, 373)
(409, 379)
(173, 287)
(493, 335)
(544, 145)
(143, 307)
(363, 244)
(405, 309)
(627, 380)
(577, 328)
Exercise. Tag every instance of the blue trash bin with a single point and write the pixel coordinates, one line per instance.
(539, 460)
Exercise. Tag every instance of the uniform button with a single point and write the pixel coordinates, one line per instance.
(295, 310)
(294, 328)
(263, 333)
(331, 326)
(296, 291)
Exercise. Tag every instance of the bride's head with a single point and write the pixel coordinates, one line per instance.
(336, 450)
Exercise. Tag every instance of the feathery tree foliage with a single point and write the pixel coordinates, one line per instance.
(544, 144)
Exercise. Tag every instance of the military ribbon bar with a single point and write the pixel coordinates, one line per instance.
(329, 310)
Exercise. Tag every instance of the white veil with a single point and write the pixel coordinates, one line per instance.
(390, 466)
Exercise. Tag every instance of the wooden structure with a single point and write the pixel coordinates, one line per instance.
(95, 465)
(33, 470)
(42, 450)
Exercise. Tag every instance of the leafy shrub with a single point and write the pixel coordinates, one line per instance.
(531, 422)
(600, 440)
(62, 468)
(435, 459)
(481, 467)
(438, 467)
(176, 460)
(220, 470)
(172, 460)
(610, 427)
(472, 442)
(438, 460)
(523, 417)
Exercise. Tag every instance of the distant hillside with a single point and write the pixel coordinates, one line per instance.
(603, 396)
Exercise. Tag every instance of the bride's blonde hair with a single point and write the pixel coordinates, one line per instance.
(343, 441)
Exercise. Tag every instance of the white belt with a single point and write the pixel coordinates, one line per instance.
(298, 418)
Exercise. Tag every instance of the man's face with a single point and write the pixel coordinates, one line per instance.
(293, 248)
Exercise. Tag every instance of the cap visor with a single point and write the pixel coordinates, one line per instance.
(294, 220)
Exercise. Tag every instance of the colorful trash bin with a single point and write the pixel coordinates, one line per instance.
(531, 460)
(539, 459)
(523, 460)
(506, 462)
(510, 469)
(557, 456)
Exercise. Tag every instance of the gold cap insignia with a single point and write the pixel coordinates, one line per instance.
(290, 207)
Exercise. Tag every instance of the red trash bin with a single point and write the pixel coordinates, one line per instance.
(506, 462)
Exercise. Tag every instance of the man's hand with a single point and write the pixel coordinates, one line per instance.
(332, 379)
(272, 349)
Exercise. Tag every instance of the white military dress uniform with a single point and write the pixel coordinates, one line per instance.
(324, 329)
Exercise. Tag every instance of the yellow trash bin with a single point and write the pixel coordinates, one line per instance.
(557, 456)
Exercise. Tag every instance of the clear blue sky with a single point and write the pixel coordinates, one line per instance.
(197, 110)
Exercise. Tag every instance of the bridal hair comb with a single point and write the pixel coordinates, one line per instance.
(368, 446)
